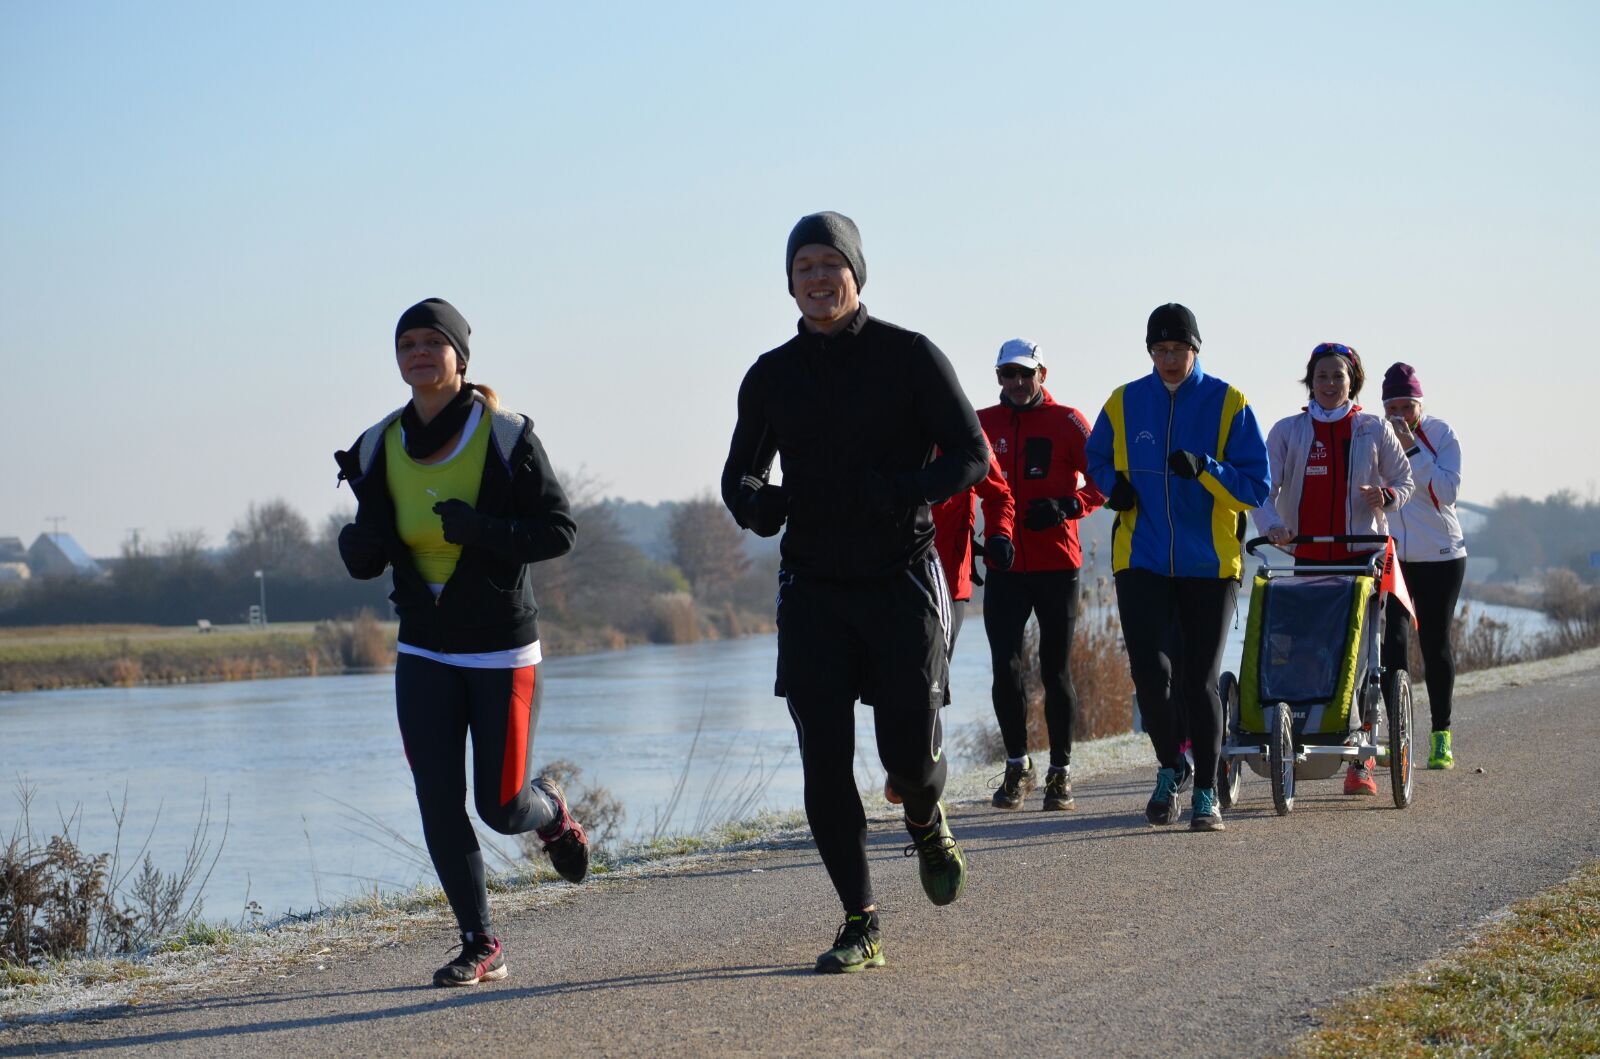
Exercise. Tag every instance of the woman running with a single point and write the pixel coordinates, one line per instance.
(1433, 553)
(1336, 470)
(458, 497)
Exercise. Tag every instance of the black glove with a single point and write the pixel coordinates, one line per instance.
(462, 523)
(999, 553)
(362, 550)
(1123, 496)
(763, 509)
(1045, 512)
(1186, 464)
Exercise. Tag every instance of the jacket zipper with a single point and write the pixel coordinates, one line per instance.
(1166, 485)
(1017, 562)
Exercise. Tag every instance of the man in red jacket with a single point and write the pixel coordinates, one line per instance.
(1040, 447)
(953, 523)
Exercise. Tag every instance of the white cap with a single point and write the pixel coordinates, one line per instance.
(1021, 352)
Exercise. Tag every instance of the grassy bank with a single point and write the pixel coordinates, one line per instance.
(42, 658)
(34, 659)
(1527, 984)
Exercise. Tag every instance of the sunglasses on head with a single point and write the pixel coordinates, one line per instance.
(1339, 348)
(1016, 371)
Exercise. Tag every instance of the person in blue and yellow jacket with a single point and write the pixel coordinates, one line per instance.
(1180, 457)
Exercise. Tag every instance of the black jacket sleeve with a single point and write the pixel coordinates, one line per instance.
(751, 451)
(542, 526)
(947, 415)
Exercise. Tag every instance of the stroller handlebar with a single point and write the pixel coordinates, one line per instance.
(1337, 538)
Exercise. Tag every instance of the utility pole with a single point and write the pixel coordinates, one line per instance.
(55, 523)
(261, 576)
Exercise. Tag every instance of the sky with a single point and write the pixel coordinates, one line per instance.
(211, 216)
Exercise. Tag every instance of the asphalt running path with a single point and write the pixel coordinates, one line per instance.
(1085, 933)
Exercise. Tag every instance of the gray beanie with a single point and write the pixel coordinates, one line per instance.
(443, 318)
(828, 229)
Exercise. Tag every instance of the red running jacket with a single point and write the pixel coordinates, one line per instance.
(1041, 452)
(953, 521)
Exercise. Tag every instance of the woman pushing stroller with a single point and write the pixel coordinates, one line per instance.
(1336, 470)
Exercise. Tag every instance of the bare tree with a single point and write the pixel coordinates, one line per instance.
(708, 547)
(273, 536)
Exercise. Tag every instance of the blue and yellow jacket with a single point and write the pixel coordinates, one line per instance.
(1180, 527)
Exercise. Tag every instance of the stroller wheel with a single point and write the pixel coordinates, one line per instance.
(1229, 771)
(1280, 759)
(1397, 703)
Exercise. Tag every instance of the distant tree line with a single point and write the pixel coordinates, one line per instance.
(710, 585)
(1528, 536)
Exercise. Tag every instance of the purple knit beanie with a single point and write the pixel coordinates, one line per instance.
(1401, 382)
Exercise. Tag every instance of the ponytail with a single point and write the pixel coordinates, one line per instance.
(490, 399)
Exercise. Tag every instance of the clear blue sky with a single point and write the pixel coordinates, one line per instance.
(211, 215)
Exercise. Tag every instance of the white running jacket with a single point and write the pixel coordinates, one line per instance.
(1426, 528)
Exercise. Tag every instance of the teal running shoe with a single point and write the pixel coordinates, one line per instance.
(1203, 812)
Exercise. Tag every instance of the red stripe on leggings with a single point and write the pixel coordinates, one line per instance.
(513, 770)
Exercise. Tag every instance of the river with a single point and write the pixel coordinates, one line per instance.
(308, 775)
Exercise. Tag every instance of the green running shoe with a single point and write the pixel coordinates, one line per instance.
(858, 946)
(1440, 756)
(941, 863)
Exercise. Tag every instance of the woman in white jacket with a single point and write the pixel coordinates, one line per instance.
(1433, 553)
(1335, 470)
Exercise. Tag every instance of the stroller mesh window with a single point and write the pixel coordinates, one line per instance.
(1304, 635)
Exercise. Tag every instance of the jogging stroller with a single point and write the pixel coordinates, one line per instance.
(1311, 693)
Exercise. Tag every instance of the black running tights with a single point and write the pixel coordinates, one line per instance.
(1171, 703)
(438, 705)
(911, 747)
(1435, 588)
(1008, 600)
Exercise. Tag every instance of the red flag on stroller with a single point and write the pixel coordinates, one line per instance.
(1393, 581)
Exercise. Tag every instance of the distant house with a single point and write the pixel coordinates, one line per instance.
(12, 551)
(58, 555)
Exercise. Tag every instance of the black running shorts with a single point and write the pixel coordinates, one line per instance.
(884, 641)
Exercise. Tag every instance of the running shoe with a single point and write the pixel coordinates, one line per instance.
(481, 960)
(1359, 779)
(1014, 785)
(564, 841)
(1058, 789)
(1162, 808)
(858, 946)
(941, 864)
(1203, 812)
(1441, 757)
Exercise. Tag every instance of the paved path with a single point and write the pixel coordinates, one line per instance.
(1080, 934)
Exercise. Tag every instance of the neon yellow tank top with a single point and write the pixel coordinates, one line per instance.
(416, 487)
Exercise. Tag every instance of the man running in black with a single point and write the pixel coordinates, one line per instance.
(854, 408)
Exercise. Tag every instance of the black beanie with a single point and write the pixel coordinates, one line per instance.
(442, 317)
(1172, 323)
(828, 229)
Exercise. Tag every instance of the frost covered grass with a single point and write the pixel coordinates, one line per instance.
(1528, 984)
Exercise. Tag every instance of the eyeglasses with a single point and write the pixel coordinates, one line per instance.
(1339, 348)
(1014, 371)
(1170, 353)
